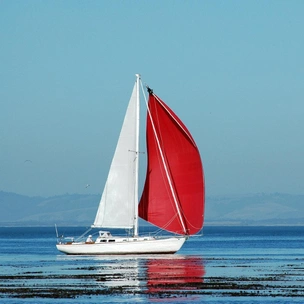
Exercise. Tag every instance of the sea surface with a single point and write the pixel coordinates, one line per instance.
(224, 265)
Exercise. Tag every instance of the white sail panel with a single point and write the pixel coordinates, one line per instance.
(116, 208)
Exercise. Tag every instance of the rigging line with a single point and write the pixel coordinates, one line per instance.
(143, 92)
(167, 171)
(164, 227)
(80, 237)
(189, 222)
(169, 222)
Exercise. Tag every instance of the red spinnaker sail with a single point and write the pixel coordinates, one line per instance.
(174, 177)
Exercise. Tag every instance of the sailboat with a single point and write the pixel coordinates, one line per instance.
(173, 192)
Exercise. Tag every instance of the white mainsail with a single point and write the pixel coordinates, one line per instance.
(117, 204)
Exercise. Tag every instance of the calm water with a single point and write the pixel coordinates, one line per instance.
(225, 265)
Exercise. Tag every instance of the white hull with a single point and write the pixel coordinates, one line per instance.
(139, 245)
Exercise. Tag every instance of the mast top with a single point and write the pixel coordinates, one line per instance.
(150, 91)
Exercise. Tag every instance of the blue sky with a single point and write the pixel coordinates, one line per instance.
(232, 70)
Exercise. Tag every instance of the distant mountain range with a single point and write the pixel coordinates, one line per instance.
(255, 209)
(79, 209)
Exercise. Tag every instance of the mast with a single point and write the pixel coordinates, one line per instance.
(136, 158)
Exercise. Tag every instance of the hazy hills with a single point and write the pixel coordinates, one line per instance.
(76, 209)
(68, 209)
(256, 209)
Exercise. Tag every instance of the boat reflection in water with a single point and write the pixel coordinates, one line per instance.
(174, 273)
(156, 276)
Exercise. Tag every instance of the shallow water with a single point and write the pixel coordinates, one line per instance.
(225, 265)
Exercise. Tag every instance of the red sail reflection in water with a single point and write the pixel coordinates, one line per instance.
(182, 273)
